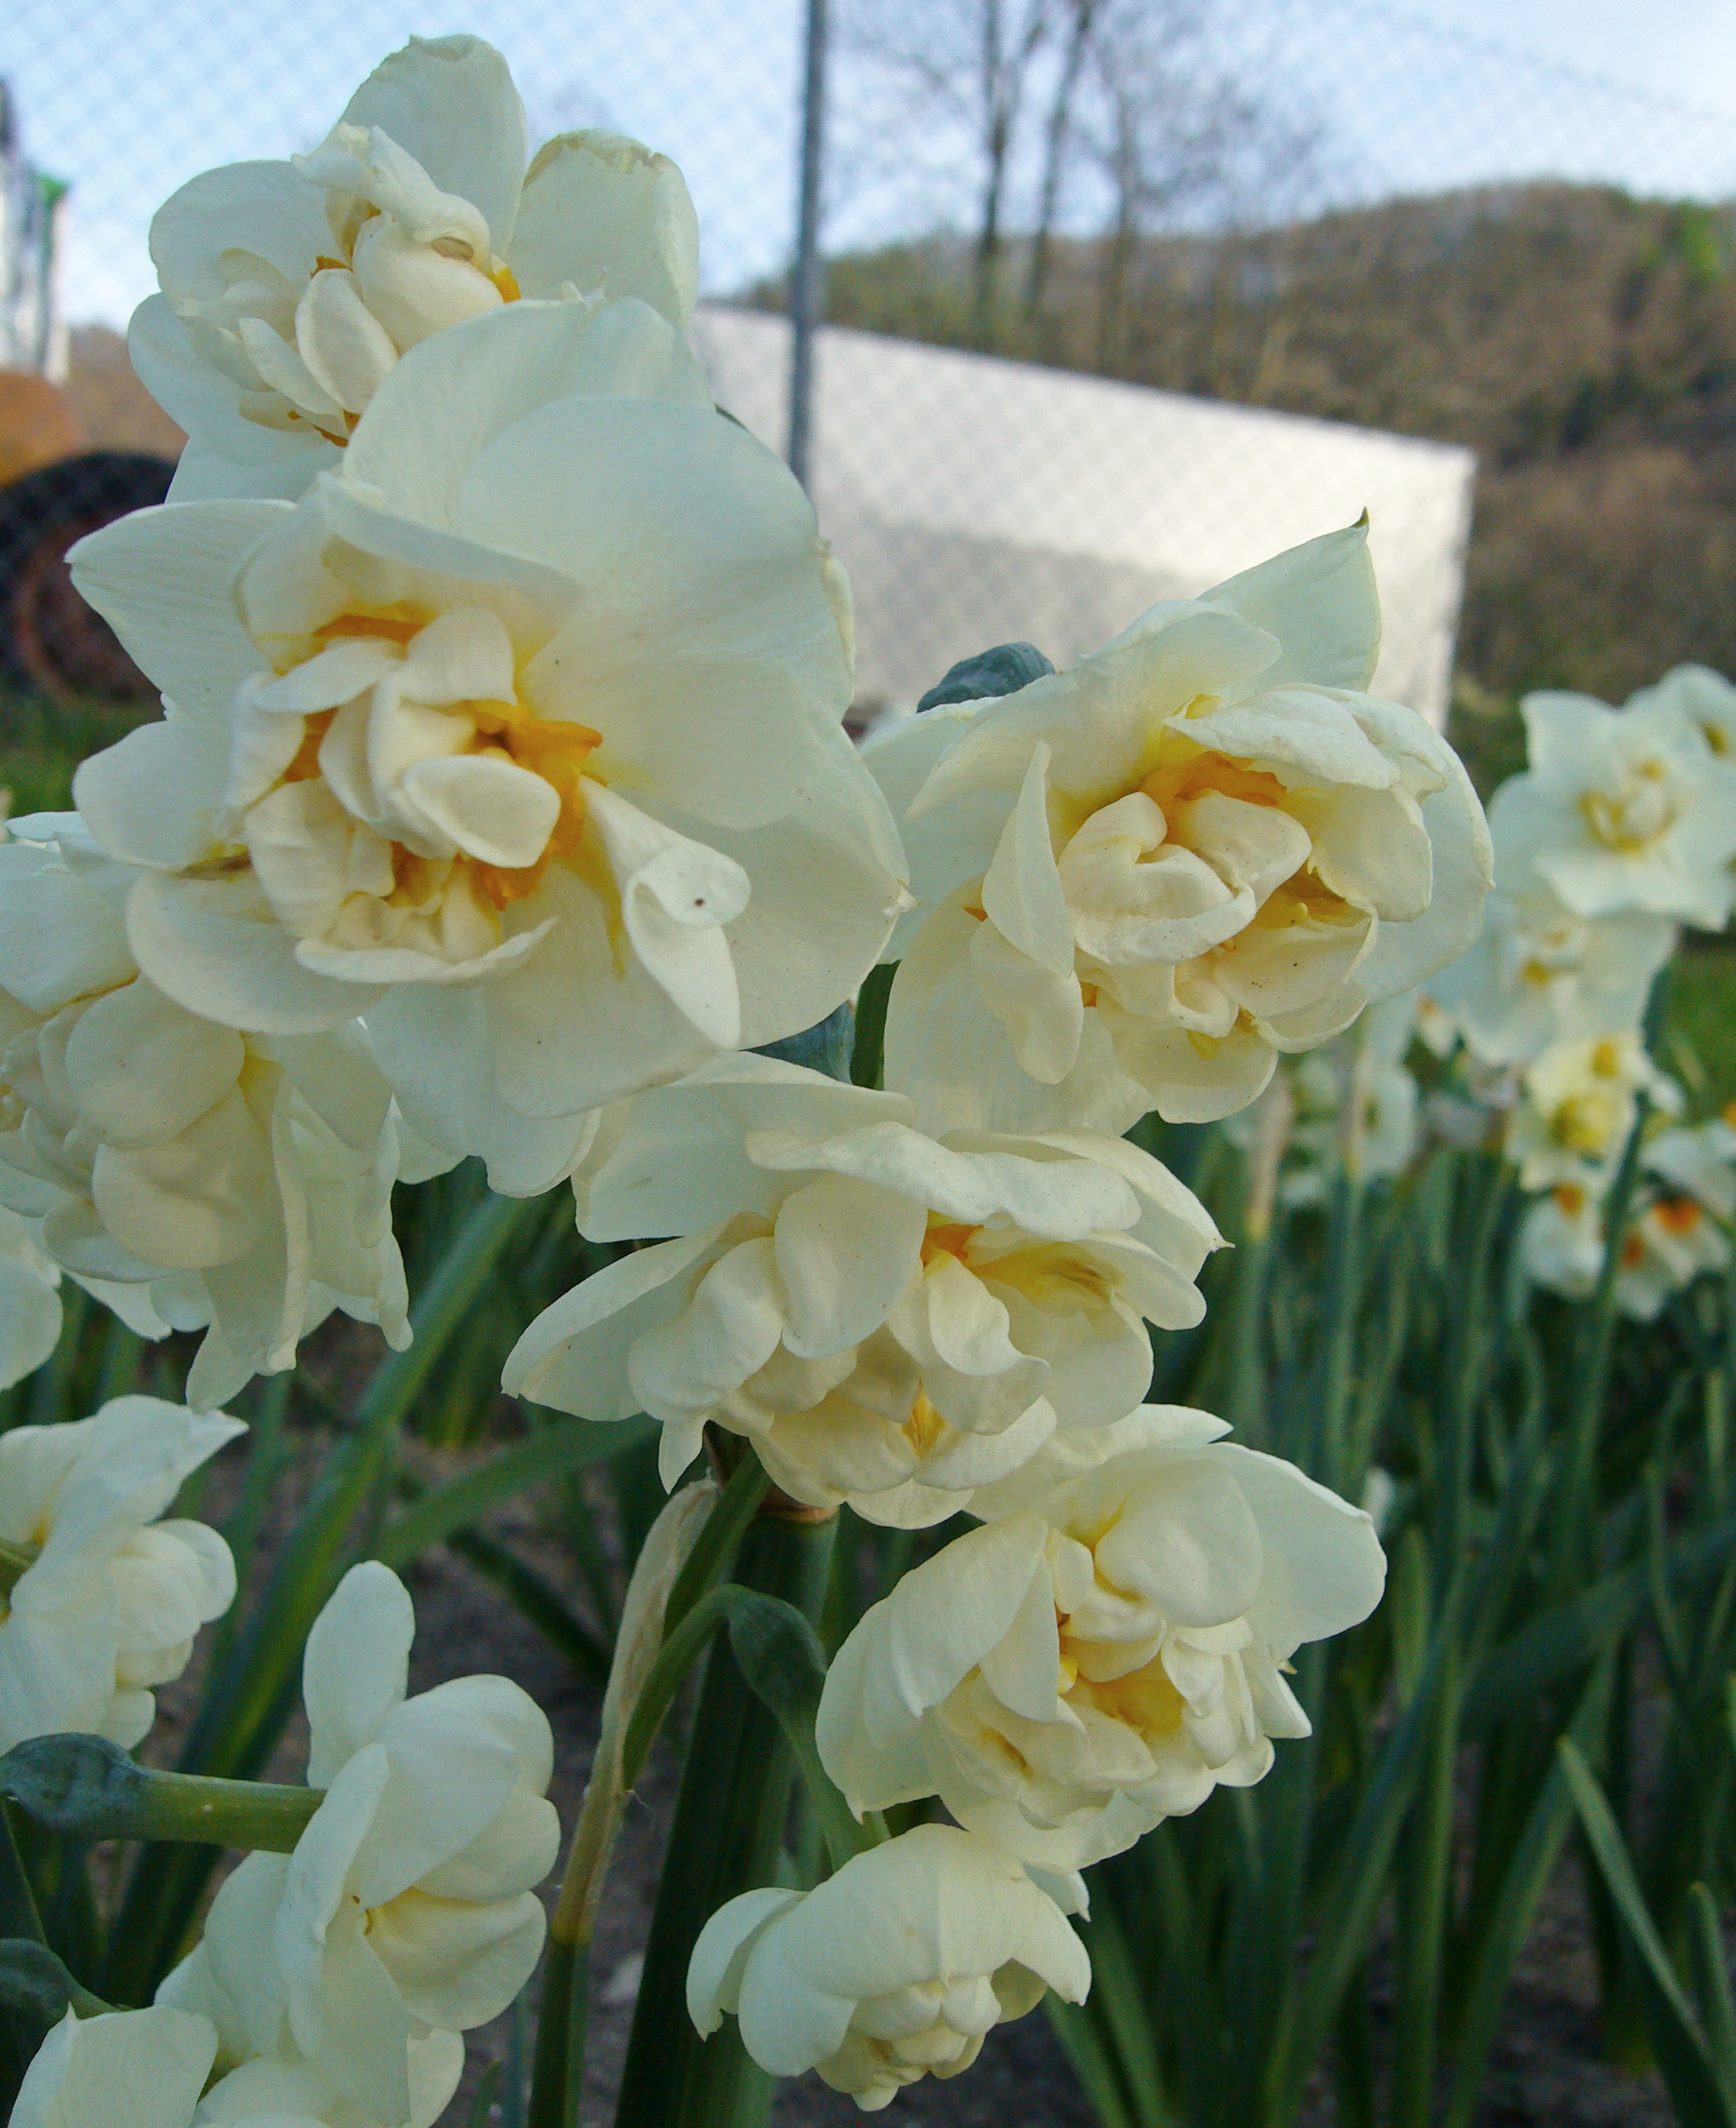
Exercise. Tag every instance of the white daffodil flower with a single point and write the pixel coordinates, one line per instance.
(1705, 698)
(1700, 1163)
(1672, 1240)
(893, 1969)
(1561, 1238)
(1102, 1659)
(521, 735)
(406, 1914)
(104, 1599)
(187, 1176)
(291, 290)
(1140, 880)
(145, 2067)
(1540, 974)
(1579, 1105)
(1623, 811)
(891, 1319)
(277, 2091)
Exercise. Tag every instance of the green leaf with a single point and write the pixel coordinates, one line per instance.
(1526, 1874)
(731, 1512)
(779, 1654)
(1697, 2087)
(36, 1986)
(1567, 1636)
(868, 1056)
(825, 1046)
(88, 1789)
(1712, 1977)
(551, 1452)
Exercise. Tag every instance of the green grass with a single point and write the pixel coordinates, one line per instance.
(1698, 1040)
(41, 742)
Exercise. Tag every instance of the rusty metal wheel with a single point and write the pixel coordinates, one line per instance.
(50, 639)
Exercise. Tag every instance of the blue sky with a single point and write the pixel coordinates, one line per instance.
(127, 98)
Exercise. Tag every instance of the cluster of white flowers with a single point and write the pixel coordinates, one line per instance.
(333, 1984)
(1621, 829)
(500, 805)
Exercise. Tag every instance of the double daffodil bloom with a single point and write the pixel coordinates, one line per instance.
(1142, 879)
(896, 1968)
(291, 290)
(406, 1914)
(520, 735)
(1106, 1653)
(188, 1175)
(891, 1318)
(1624, 810)
(1578, 1107)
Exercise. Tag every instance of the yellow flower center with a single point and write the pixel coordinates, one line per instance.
(1186, 772)
(549, 747)
(945, 1237)
(924, 1428)
(1677, 1215)
(1144, 1699)
(1637, 815)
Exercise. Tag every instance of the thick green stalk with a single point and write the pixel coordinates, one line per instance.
(1425, 1909)
(726, 1838)
(1576, 1512)
(247, 1703)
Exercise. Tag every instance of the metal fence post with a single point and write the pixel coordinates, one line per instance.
(807, 278)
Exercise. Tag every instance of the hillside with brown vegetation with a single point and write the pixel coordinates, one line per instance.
(1581, 342)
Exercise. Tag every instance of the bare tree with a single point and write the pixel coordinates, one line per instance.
(1057, 141)
(966, 66)
(1179, 138)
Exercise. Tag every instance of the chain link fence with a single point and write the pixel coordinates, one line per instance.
(1195, 282)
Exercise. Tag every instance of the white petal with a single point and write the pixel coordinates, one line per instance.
(161, 580)
(676, 895)
(606, 215)
(356, 1665)
(450, 103)
(846, 1249)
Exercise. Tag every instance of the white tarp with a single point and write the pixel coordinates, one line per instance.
(975, 501)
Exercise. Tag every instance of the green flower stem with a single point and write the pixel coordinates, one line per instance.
(726, 1837)
(1576, 1513)
(247, 1703)
(86, 1787)
(737, 1505)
